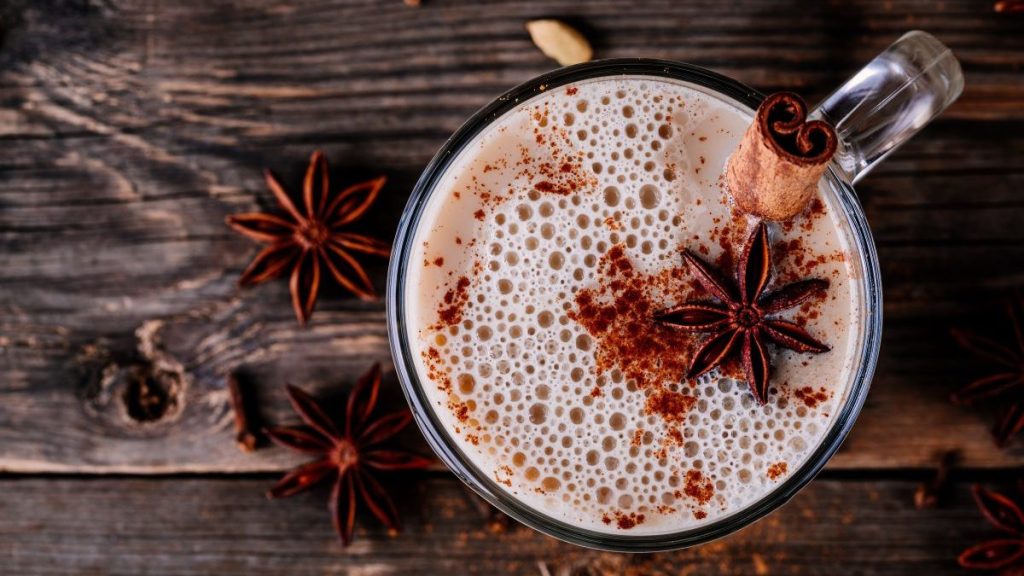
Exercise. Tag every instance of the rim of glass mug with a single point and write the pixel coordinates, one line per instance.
(444, 446)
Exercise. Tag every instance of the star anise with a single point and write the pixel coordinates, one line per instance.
(1008, 6)
(741, 320)
(303, 241)
(1007, 380)
(349, 450)
(1004, 514)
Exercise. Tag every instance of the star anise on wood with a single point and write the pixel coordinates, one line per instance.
(1008, 6)
(997, 553)
(349, 451)
(741, 321)
(304, 241)
(1006, 381)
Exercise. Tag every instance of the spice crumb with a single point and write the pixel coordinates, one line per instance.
(777, 470)
(812, 398)
(698, 487)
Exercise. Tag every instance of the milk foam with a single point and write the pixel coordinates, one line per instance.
(523, 222)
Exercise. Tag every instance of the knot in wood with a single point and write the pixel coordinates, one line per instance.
(150, 395)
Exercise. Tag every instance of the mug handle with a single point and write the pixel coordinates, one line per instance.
(890, 100)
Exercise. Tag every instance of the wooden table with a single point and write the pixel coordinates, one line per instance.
(132, 127)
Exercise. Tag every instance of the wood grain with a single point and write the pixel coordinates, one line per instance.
(132, 127)
(180, 526)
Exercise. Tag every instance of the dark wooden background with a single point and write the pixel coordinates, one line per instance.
(130, 128)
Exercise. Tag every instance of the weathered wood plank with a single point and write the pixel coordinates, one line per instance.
(133, 127)
(61, 426)
(224, 526)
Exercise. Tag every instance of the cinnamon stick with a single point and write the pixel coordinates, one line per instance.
(775, 170)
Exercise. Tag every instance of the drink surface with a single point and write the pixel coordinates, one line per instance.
(536, 267)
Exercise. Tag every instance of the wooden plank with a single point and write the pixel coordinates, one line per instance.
(50, 426)
(133, 128)
(180, 526)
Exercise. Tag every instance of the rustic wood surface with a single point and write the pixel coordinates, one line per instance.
(131, 128)
(222, 526)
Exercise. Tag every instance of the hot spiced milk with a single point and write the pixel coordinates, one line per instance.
(553, 240)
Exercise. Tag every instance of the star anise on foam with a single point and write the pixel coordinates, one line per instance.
(741, 321)
(997, 553)
(304, 241)
(1006, 381)
(349, 451)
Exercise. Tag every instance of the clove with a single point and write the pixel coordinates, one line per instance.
(246, 430)
(929, 493)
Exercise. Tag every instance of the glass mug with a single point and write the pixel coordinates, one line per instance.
(878, 109)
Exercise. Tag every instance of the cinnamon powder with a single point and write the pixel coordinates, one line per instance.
(618, 315)
(698, 487)
(811, 397)
(777, 470)
(672, 406)
(449, 313)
